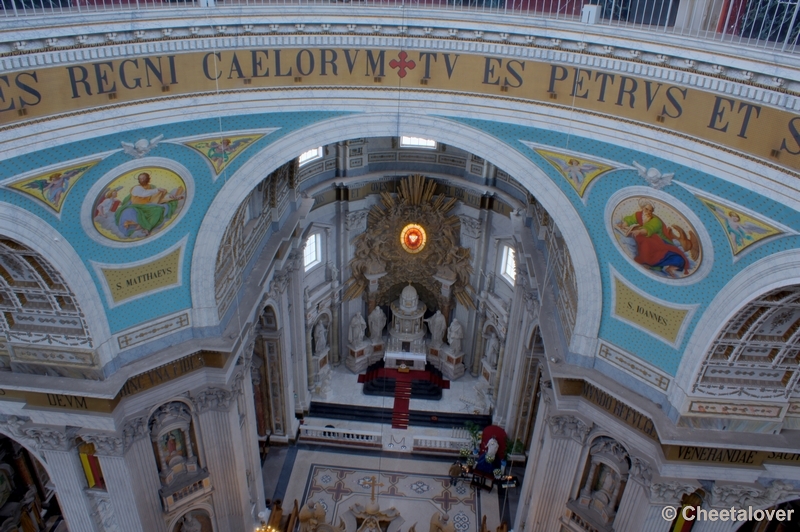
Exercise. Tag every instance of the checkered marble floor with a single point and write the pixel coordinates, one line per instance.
(416, 488)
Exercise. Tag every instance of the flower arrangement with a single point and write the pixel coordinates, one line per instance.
(470, 462)
(497, 473)
(475, 433)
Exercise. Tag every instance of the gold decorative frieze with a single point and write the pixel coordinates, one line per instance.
(153, 330)
(735, 409)
(634, 366)
(43, 355)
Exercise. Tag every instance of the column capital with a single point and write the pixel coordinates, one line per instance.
(132, 430)
(40, 437)
(105, 443)
(670, 492)
(51, 439)
(742, 496)
(214, 398)
(641, 471)
(569, 427)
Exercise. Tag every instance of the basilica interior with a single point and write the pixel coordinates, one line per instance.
(353, 267)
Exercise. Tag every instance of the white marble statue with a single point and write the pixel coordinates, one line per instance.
(190, 524)
(357, 326)
(454, 336)
(320, 338)
(492, 349)
(377, 321)
(491, 449)
(437, 325)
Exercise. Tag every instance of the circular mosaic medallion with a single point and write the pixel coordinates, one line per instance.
(139, 204)
(656, 237)
(413, 238)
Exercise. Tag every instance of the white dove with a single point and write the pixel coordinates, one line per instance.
(141, 147)
(654, 177)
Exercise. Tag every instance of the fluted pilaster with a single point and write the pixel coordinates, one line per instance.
(334, 330)
(144, 481)
(67, 475)
(252, 457)
(557, 467)
(636, 513)
(480, 345)
(309, 357)
(653, 520)
(121, 493)
(224, 456)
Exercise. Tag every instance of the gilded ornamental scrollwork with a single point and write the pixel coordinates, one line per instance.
(380, 252)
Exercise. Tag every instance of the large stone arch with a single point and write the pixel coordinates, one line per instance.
(450, 132)
(32, 232)
(769, 273)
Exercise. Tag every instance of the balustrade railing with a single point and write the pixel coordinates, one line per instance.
(351, 437)
(767, 24)
(439, 445)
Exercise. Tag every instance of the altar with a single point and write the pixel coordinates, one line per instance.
(394, 359)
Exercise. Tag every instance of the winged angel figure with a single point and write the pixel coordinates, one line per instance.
(740, 231)
(54, 186)
(141, 147)
(574, 169)
(654, 177)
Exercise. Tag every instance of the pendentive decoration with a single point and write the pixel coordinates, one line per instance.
(742, 229)
(220, 151)
(413, 238)
(52, 188)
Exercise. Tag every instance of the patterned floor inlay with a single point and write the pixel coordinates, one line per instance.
(416, 496)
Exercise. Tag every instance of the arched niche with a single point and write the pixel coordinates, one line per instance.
(321, 329)
(28, 498)
(172, 434)
(486, 146)
(268, 377)
(195, 520)
(602, 484)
